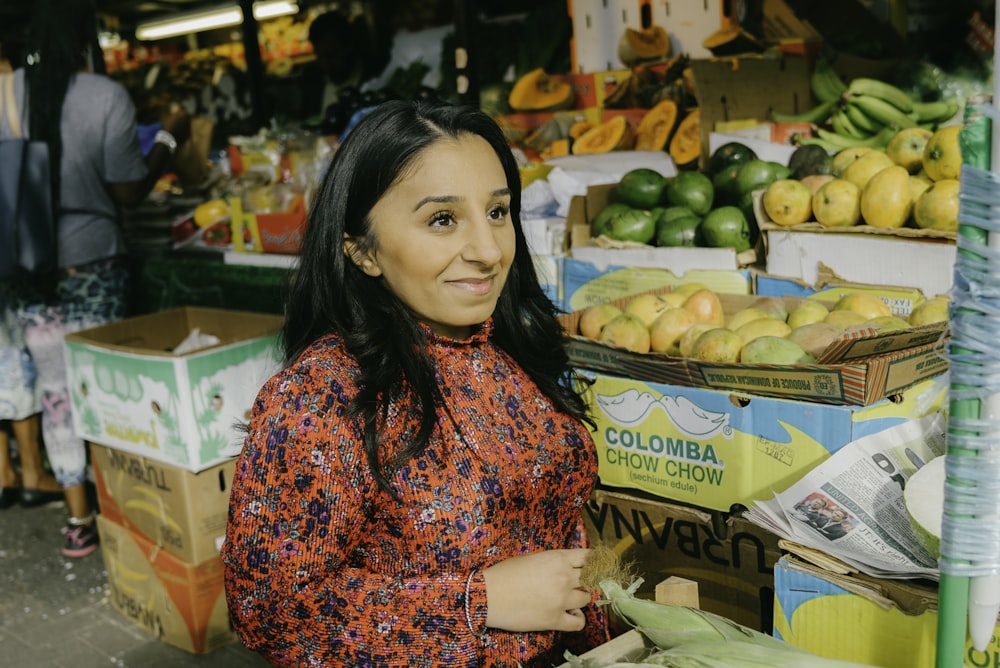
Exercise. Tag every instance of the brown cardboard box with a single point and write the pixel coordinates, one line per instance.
(731, 559)
(749, 87)
(580, 245)
(179, 511)
(181, 604)
(859, 370)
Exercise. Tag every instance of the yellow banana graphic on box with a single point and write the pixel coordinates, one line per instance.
(156, 511)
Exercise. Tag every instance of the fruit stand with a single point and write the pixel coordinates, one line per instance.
(749, 218)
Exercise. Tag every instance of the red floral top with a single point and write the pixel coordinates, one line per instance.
(324, 569)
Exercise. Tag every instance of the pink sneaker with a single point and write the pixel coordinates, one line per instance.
(79, 541)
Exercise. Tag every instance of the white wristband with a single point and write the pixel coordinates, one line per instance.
(167, 139)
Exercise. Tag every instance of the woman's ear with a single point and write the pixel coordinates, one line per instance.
(365, 261)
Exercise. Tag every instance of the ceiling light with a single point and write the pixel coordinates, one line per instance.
(209, 20)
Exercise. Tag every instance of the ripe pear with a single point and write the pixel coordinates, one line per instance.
(906, 148)
(686, 342)
(594, 318)
(864, 304)
(930, 311)
(763, 327)
(666, 331)
(706, 306)
(647, 307)
(815, 337)
(628, 332)
(774, 350)
(807, 312)
(717, 345)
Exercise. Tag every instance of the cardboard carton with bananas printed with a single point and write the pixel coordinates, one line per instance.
(181, 512)
(181, 604)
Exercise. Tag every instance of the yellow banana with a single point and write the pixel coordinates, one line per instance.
(881, 90)
(882, 111)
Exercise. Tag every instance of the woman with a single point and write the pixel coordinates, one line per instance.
(410, 487)
(88, 122)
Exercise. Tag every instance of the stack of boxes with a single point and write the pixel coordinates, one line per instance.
(162, 428)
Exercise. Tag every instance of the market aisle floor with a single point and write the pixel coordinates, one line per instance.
(55, 612)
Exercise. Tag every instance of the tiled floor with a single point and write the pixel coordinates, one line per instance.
(55, 612)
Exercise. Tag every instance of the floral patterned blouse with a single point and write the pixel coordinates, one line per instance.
(324, 569)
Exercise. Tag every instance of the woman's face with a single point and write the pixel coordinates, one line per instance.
(444, 239)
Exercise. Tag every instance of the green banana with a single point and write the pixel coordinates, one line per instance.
(829, 147)
(937, 111)
(861, 120)
(842, 124)
(882, 111)
(818, 114)
(825, 83)
(878, 140)
(881, 90)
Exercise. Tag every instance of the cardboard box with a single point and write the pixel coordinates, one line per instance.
(731, 559)
(181, 604)
(919, 262)
(181, 512)
(859, 371)
(748, 87)
(585, 283)
(580, 245)
(854, 617)
(130, 391)
(717, 449)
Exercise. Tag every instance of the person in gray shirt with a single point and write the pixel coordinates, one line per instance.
(89, 123)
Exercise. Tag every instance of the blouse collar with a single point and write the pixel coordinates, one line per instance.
(480, 335)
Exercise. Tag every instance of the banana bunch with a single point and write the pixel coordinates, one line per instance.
(863, 112)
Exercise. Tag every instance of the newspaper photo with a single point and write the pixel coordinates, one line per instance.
(851, 506)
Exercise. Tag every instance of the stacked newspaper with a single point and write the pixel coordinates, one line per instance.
(851, 506)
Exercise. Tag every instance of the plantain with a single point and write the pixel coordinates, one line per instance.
(937, 111)
(843, 125)
(825, 83)
(881, 90)
(882, 111)
(818, 114)
(861, 120)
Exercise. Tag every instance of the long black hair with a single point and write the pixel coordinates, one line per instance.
(329, 294)
(61, 35)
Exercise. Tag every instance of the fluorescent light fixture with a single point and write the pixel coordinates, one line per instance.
(211, 19)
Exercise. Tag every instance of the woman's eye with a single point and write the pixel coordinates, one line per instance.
(499, 212)
(441, 219)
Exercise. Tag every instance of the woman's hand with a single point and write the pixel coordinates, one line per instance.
(537, 592)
